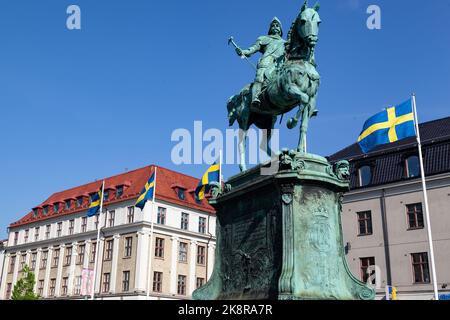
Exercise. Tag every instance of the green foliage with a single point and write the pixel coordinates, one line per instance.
(23, 290)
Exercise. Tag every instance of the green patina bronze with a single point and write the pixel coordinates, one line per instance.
(279, 233)
(279, 236)
(286, 77)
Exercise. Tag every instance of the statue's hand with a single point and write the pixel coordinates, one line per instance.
(239, 52)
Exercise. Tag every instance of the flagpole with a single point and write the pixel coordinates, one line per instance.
(98, 241)
(425, 196)
(151, 236)
(220, 168)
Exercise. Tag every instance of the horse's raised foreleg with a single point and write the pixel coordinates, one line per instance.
(241, 145)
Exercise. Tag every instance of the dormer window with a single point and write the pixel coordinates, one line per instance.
(119, 191)
(365, 176)
(181, 193)
(45, 210)
(56, 207)
(412, 167)
(67, 204)
(79, 202)
(106, 195)
(35, 212)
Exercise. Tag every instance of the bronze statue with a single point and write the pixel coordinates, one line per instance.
(272, 48)
(291, 80)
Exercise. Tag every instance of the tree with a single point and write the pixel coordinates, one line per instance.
(23, 290)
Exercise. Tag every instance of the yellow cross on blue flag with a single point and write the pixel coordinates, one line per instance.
(146, 193)
(393, 124)
(95, 203)
(211, 175)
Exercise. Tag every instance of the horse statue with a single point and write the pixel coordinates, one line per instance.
(294, 83)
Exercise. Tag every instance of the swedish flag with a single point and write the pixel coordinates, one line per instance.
(95, 203)
(393, 124)
(211, 175)
(146, 193)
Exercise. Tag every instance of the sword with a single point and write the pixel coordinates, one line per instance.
(231, 41)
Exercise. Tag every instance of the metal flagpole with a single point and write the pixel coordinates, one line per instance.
(220, 168)
(151, 236)
(425, 196)
(98, 240)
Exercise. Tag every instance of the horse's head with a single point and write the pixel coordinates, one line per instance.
(307, 24)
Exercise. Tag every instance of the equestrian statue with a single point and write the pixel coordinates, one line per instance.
(286, 77)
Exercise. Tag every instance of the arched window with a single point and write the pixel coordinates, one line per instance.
(365, 175)
(412, 167)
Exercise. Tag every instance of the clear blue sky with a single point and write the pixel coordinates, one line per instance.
(82, 105)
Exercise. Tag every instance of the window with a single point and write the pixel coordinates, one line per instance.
(126, 281)
(106, 195)
(71, 226)
(96, 221)
(33, 260)
(67, 204)
(41, 288)
(52, 287)
(16, 237)
(79, 202)
(202, 225)
(161, 218)
(47, 231)
(35, 212)
(181, 285)
(59, 229)
(365, 176)
(159, 248)
(44, 259)
(365, 263)
(77, 285)
(36, 234)
(12, 264)
(93, 251)
(23, 259)
(81, 251)
(45, 210)
(112, 215)
(420, 267)
(184, 220)
(109, 250)
(68, 256)
(130, 214)
(64, 284)
(412, 167)
(415, 215)
(128, 246)
(55, 207)
(106, 281)
(83, 224)
(55, 258)
(27, 233)
(181, 194)
(119, 191)
(364, 223)
(201, 255)
(200, 282)
(182, 252)
(8, 290)
(157, 281)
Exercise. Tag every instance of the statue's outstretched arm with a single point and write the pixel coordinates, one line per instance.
(251, 50)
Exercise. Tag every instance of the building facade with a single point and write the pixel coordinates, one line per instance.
(58, 241)
(383, 214)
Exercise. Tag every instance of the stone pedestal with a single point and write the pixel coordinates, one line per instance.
(279, 234)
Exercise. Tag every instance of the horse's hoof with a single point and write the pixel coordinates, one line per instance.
(242, 168)
(291, 123)
(315, 113)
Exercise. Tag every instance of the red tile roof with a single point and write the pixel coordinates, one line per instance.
(133, 182)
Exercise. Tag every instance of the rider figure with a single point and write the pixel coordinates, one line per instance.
(272, 47)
